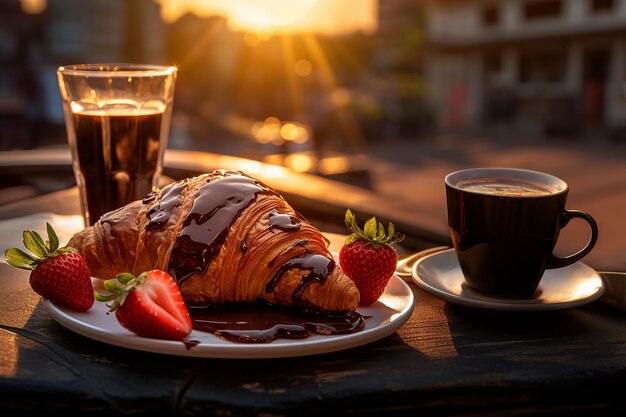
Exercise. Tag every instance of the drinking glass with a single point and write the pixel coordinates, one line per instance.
(117, 118)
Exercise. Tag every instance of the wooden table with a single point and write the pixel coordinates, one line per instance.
(446, 361)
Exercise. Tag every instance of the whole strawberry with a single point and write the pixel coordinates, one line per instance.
(149, 305)
(368, 258)
(58, 274)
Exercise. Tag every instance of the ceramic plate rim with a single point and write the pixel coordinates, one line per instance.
(218, 348)
(502, 304)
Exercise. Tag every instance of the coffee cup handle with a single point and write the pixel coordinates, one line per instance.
(555, 261)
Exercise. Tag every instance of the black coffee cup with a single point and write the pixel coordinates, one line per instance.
(505, 223)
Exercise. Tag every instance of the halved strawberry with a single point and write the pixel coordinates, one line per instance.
(368, 258)
(58, 274)
(149, 305)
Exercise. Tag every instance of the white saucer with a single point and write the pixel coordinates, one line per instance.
(571, 286)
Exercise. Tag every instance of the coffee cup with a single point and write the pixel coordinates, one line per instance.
(504, 224)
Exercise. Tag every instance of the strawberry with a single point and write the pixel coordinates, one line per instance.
(60, 275)
(368, 258)
(149, 305)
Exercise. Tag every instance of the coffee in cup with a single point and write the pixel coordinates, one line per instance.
(504, 224)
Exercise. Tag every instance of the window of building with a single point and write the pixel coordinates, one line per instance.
(490, 15)
(539, 9)
(492, 64)
(599, 6)
(542, 67)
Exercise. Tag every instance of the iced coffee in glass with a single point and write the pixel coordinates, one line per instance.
(117, 118)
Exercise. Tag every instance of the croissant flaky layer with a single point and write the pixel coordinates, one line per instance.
(225, 237)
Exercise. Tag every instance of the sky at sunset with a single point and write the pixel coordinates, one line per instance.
(326, 16)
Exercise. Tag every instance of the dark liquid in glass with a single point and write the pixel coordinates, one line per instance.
(118, 156)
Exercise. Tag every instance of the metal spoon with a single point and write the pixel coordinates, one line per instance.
(403, 269)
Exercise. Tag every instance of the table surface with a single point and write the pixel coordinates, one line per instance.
(446, 360)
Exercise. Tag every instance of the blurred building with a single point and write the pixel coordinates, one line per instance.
(548, 66)
(18, 84)
(397, 65)
(96, 31)
(61, 32)
(398, 20)
(104, 31)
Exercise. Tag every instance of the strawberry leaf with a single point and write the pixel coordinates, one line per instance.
(119, 287)
(125, 277)
(351, 238)
(373, 232)
(102, 297)
(35, 244)
(381, 233)
(68, 249)
(122, 298)
(350, 219)
(370, 228)
(19, 259)
(111, 286)
(53, 239)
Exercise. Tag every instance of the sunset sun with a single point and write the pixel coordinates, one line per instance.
(280, 16)
(269, 15)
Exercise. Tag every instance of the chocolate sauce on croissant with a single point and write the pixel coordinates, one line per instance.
(160, 212)
(283, 221)
(150, 197)
(320, 268)
(216, 207)
(299, 242)
(111, 216)
(263, 323)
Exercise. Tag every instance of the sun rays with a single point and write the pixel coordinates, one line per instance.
(280, 16)
(292, 83)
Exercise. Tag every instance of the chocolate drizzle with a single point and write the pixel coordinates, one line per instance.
(300, 242)
(160, 213)
(190, 344)
(151, 196)
(110, 217)
(320, 268)
(218, 204)
(283, 221)
(263, 323)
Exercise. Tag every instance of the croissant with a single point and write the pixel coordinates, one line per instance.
(224, 237)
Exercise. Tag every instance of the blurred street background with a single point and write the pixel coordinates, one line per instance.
(388, 95)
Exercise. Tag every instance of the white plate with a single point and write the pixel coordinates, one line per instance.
(572, 286)
(383, 318)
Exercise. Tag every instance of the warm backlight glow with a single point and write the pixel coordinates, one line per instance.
(272, 130)
(33, 6)
(289, 131)
(303, 67)
(334, 165)
(284, 16)
(266, 15)
(299, 162)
